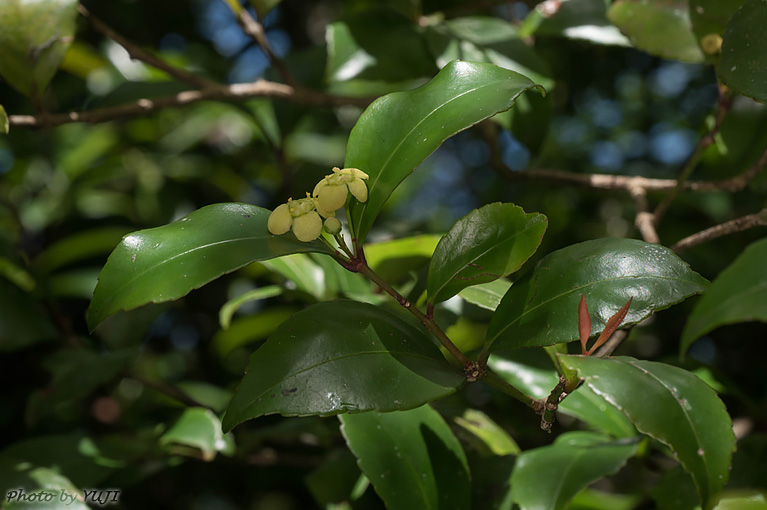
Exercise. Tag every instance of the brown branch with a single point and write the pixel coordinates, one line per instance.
(234, 92)
(730, 227)
(609, 347)
(255, 30)
(644, 220)
(138, 53)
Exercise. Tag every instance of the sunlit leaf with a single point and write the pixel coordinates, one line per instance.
(412, 458)
(34, 38)
(486, 295)
(396, 133)
(487, 244)
(165, 263)
(496, 440)
(659, 27)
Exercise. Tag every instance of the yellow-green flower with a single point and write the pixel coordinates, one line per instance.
(331, 192)
(302, 215)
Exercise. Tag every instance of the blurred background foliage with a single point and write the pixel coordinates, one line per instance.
(108, 409)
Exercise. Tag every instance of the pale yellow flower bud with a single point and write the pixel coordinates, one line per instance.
(332, 226)
(300, 215)
(280, 220)
(332, 191)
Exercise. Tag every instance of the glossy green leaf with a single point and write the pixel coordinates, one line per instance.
(743, 500)
(34, 38)
(676, 408)
(412, 458)
(550, 476)
(532, 372)
(743, 64)
(542, 308)
(4, 125)
(199, 428)
(492, 436)
(659, 27)
(165, 263)
(44, 489)
(738, 294)
(486, 295)
(342, 356)
(230, 307)
(399, 130)
(488, 243)
(487, 39)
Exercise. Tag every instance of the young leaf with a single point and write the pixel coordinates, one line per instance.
(542, 308)
(659, 27)
(399, 130)
(486, 244)
(4, 125)
(412, 458)
(342, 356)
(165, 263)
(738, 294)
(743, 65)
(550, 476)
(34, 38)
(676, 408)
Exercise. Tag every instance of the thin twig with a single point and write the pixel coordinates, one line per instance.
(138, 53)
(644, 219)
(255, 30)
(730, 227)
(609, 347)
(234, 92)
(725, 103)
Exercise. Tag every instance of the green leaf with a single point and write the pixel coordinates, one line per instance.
(302, 271)
(486, 244)
(550, 476)
(50, 490)
(494, 439)
(486, 295)
(399, 130)
(342, 356)
(743, 500)
(377, 44)
(4, 124)
(532, 372)
(396, 258)
(542, 308)
(334, 481)
(676, 408)
(165, 263)
(22, 322)
(207, 394)
(487, 39)
(230, 307)
(738, 294)
(199, 428)
(412, 458)
(659, 27)
(245, 330)
(79, 246)
(743, 64)
(34, 39)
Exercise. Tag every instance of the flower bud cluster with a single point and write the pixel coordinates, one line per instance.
(304, 216)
